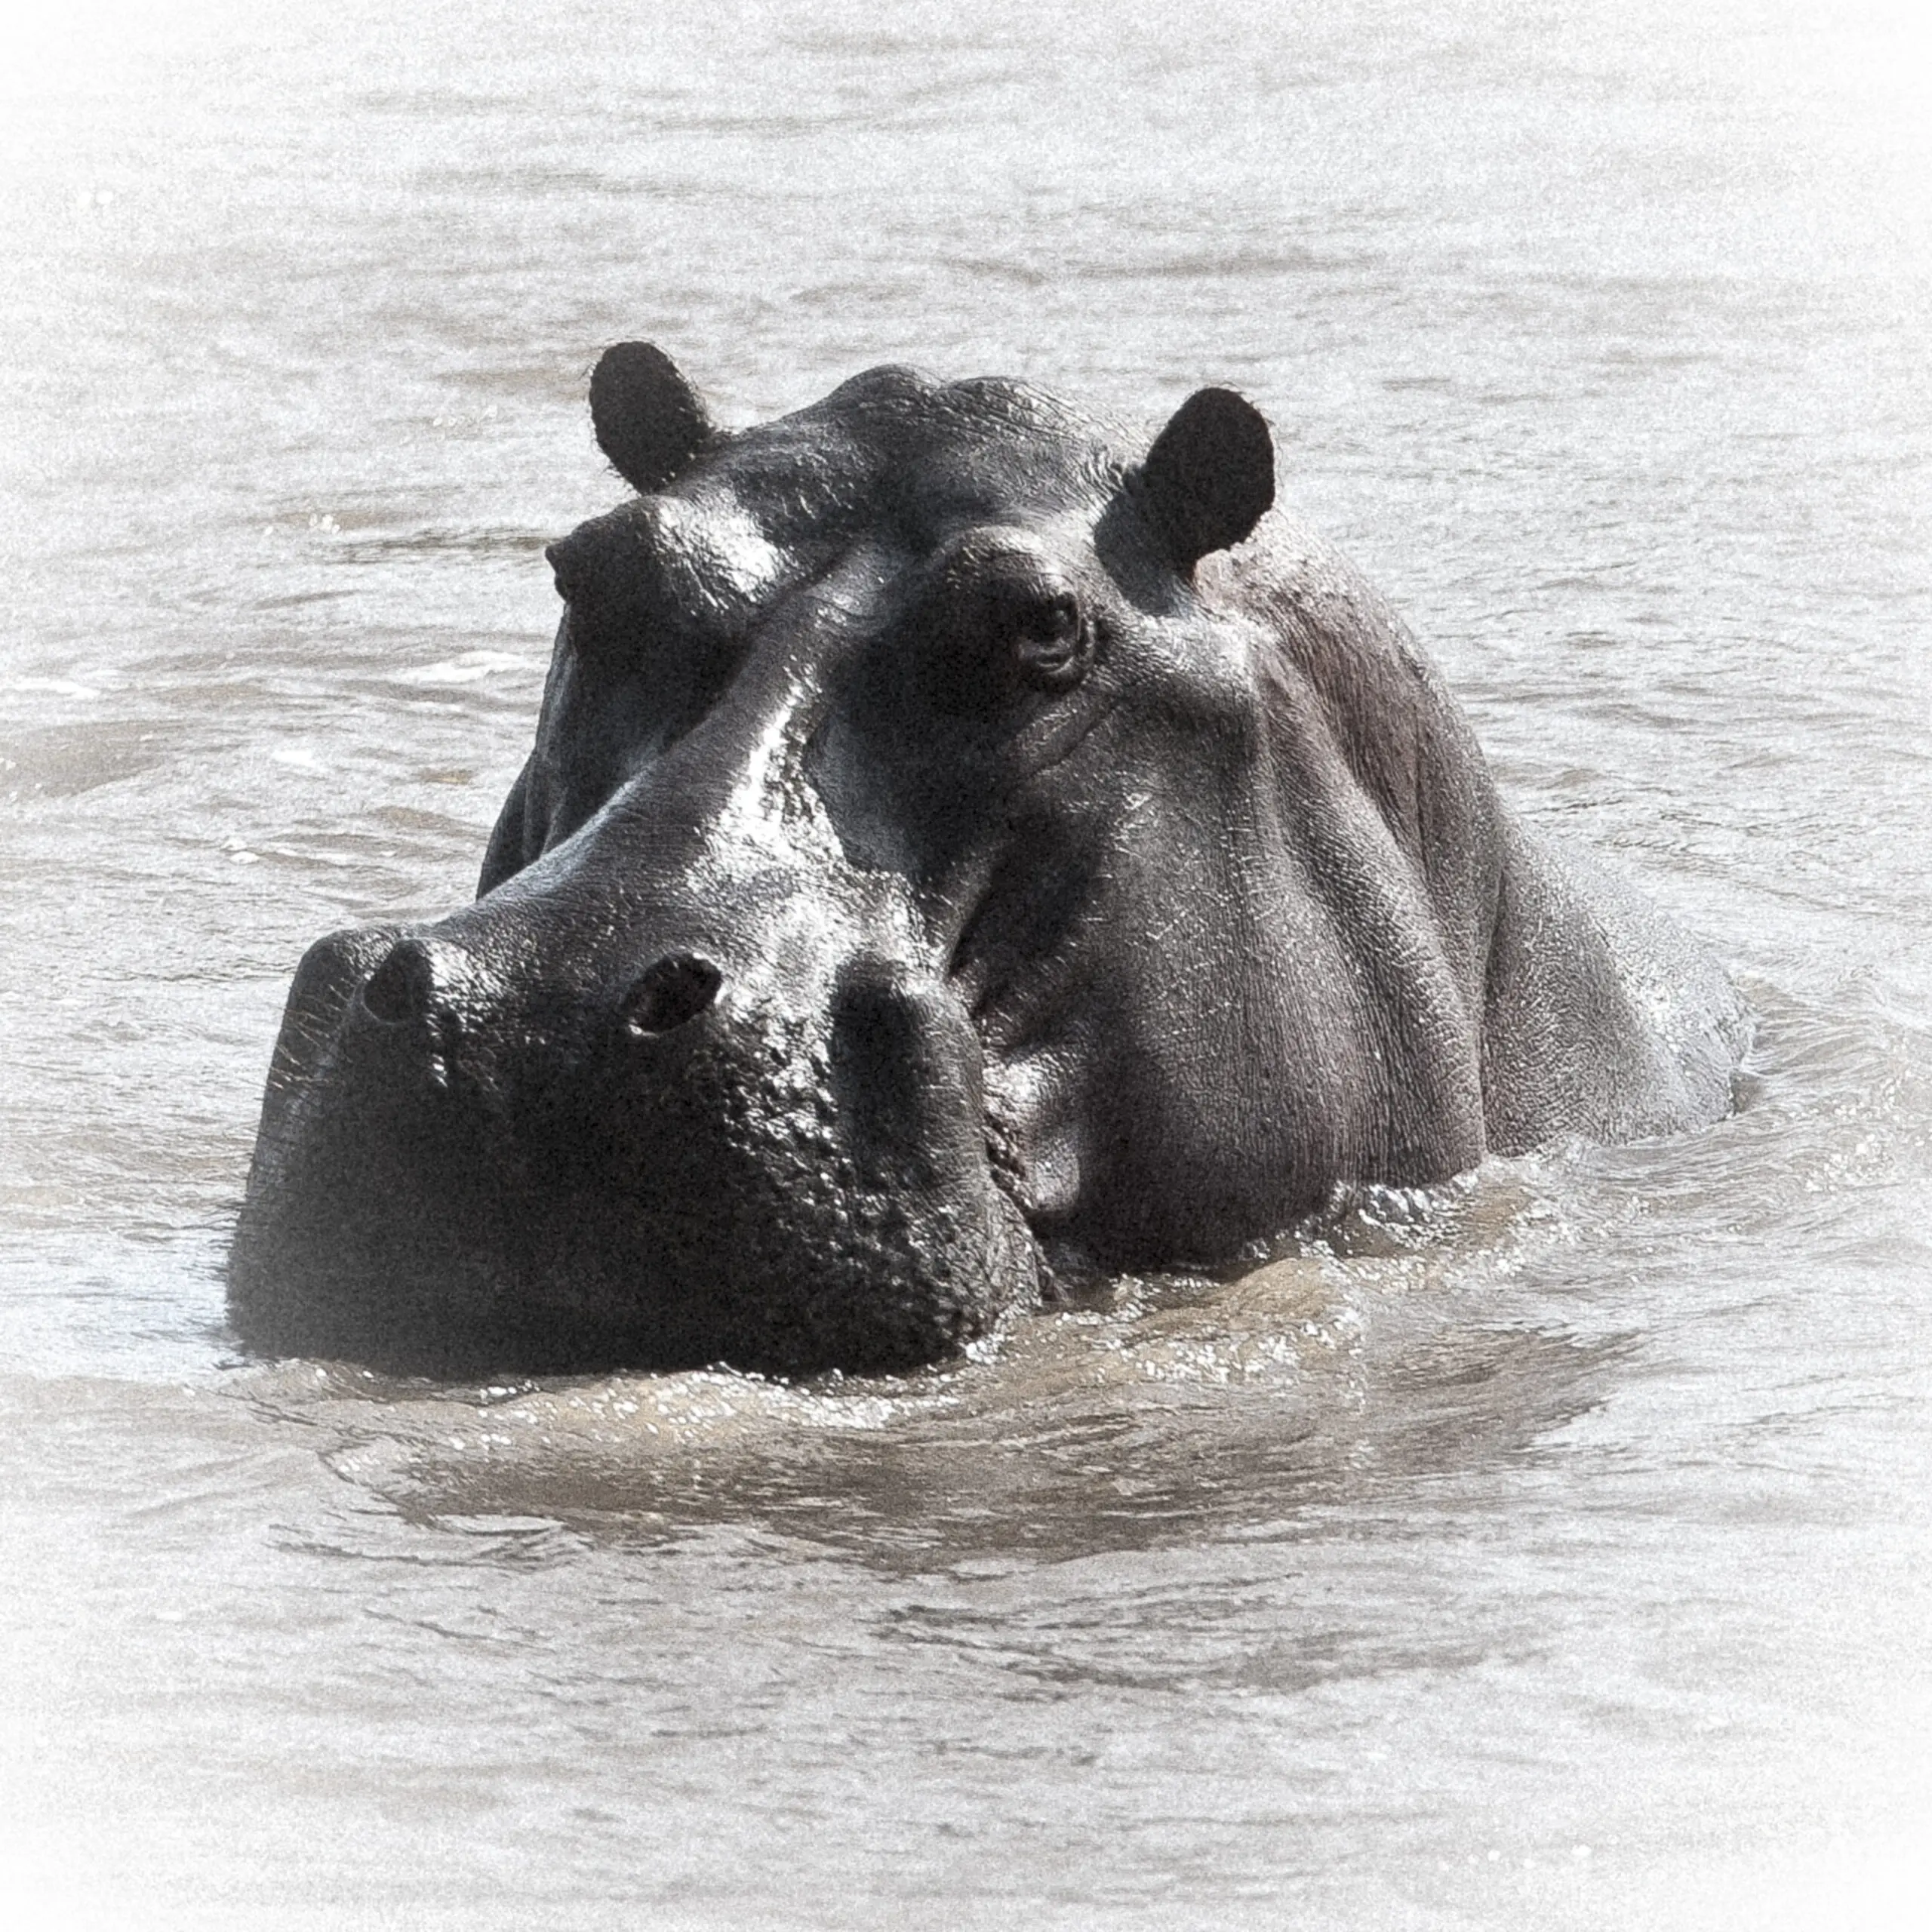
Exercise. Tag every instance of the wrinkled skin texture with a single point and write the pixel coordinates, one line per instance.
(961, 841)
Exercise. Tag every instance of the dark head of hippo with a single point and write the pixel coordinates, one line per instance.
(962, 839)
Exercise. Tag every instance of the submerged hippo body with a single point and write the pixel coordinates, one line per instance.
(944, 856)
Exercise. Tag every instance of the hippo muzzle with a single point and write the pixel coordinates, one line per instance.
(464, 1167)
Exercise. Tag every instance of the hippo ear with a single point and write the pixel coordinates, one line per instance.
(650, 421)
(1209, 476)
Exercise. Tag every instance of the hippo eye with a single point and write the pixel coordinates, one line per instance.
(573, 564)
(1050, 643)
(613, 593)
(998, 618)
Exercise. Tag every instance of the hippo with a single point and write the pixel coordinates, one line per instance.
(969, 848)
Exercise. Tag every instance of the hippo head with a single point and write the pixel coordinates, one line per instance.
(755, 1045)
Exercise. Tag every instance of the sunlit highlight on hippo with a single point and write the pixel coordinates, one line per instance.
(961, 842)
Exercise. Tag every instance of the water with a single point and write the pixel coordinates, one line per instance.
(1558, 1559)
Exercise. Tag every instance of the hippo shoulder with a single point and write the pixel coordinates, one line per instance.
(1602, 1017)
(1598, 1015)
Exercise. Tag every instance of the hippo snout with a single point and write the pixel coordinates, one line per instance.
(458, 1173)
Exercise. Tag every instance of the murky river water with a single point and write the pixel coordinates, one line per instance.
(1558, 1561)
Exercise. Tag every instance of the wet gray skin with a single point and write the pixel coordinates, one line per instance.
(963, 845)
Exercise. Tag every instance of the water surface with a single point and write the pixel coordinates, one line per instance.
(1556, 1558)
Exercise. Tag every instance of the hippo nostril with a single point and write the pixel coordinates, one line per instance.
(671, 993)
(400, 987)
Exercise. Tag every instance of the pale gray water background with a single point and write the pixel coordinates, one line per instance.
(1562, 1562)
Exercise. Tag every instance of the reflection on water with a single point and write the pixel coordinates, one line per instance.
(1544, 1551)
